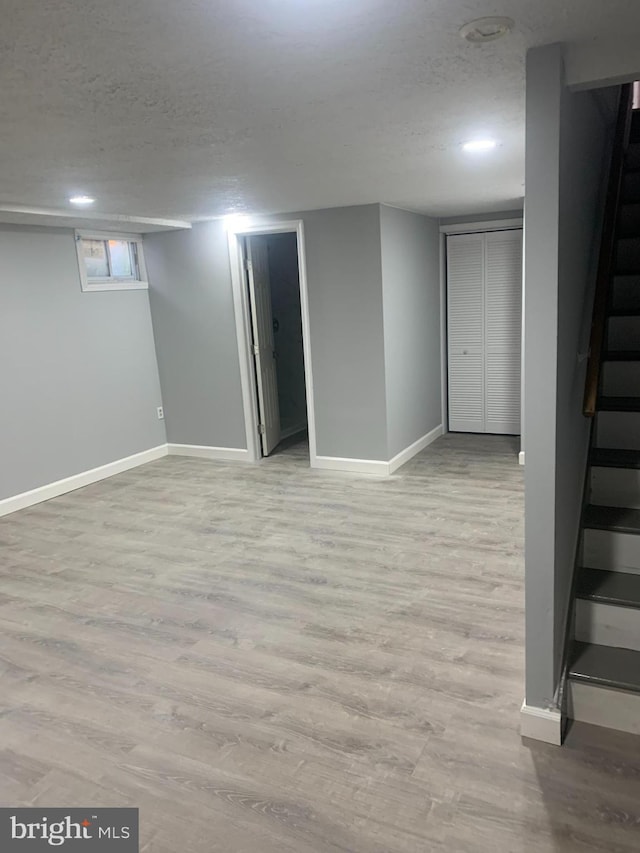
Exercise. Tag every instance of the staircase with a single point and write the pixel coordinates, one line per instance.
(603, 676)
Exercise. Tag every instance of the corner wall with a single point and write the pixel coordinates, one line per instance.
(566, 140)
(195, 335)
(410, 250)
(344, 279)
(79, 382)
(373, 279)
(194, 324)
(585, 152)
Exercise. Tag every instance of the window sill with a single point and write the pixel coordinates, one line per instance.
(115, 285)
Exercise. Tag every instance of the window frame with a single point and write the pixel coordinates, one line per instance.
(89, 284)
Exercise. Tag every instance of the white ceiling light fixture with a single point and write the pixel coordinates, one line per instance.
(478, 146)
(81, 200)
(236, 221)
(486, 29)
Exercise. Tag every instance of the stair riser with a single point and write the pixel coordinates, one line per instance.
(631, 187)
(633, 156)
(607, 625)
(618, 430)
(616, 552)
(615, 487)
(629, 219)
(624, 333)
(626, 292)
(628, 255)
(601, 706)
(621, 379)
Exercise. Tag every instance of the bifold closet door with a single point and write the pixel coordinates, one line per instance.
(484, 307)
(503, 330)
(465, 318)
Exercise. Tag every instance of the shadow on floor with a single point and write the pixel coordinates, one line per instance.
(590, 788)
(294, 447)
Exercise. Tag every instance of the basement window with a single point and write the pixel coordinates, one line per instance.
(111, 261)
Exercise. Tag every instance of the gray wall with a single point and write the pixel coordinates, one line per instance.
(410, 248)
(195, 334)
(285, 305)
(564, 152)
(193, 318)
(544, 91)
(585, 131)
(482, 217)
(345, 314)
(192, 307)
(79, 382)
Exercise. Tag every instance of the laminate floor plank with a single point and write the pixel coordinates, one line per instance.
(271, 658)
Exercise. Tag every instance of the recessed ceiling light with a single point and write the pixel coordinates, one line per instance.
(237, 221)
(486, 29)
(81, 199)
(479, 145)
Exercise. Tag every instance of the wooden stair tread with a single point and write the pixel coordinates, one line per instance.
(619, 404)
(622, 355)
(619, 519)
(618, 588)
(628, 276)
(605, 666)
(602, 457)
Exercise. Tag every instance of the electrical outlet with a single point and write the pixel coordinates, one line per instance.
(160, 413)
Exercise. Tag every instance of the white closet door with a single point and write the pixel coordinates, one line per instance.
(465, 316)
(503, 324)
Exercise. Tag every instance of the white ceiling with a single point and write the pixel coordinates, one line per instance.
(190, 108)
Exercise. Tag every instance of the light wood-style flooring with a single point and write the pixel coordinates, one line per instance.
(269, 659)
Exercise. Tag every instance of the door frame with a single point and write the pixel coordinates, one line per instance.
(470, 228)
(243, 328)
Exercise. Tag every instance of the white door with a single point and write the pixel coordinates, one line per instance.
(503, 331)
(263, 345)
(484, 304)
(465, 316)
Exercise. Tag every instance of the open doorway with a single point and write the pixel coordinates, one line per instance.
(272, 281)
(268, 271)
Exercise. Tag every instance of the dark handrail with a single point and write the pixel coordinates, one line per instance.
(607, 248)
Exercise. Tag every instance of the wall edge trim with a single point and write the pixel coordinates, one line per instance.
(409, 452)
(354, 466)
(77, 481)
(541, 724)
(205, 451)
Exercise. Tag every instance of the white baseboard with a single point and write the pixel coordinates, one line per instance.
(77, 481)
(541, 724)
(355, 466)
(409, 452)
(376, 466)
(521, 457)
(205, 452)
(85, 478)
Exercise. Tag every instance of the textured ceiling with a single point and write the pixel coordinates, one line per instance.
(189, 108)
